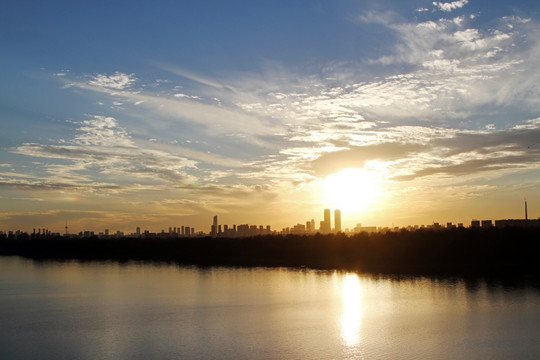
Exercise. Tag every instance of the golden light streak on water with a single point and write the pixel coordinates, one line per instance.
(351, 316)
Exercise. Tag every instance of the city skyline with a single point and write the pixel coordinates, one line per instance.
(240, 229)
(397, 113)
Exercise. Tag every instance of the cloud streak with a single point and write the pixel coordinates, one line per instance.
(204, 115)
(117, 81)
(450, 6)
(102, 148)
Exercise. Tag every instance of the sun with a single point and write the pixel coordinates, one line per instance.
(352, 190)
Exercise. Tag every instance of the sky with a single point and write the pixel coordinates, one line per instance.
(118, 114)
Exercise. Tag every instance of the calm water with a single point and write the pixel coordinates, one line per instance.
(77, 310)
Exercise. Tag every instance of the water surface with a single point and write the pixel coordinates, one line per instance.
(74, 310)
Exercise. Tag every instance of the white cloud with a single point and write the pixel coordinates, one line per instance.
(103, 149)
(180, 95)
(450, 6)
(442, 76)
(102, 131)
(117, 81)
(530, 124)
(200, 114)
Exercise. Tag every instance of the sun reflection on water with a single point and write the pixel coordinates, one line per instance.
(351, 317)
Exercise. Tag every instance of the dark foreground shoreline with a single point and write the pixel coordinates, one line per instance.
(508, 252)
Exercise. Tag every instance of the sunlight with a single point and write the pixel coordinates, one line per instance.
(351, 318)
(352, 190)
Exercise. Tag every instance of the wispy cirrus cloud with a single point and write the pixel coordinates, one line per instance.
(101, 149)
(456, 74)
(51, 184)
(412, 152)
(477, 152)
(415, 121)
(202, 114)
(103, 159)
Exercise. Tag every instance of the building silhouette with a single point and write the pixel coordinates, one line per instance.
(526, 223)
(486, 224)
(326, 225)
(214, 229)
(337, 220)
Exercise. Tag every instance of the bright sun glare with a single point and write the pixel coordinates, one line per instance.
(352, 190)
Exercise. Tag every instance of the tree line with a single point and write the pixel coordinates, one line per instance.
(501, 252)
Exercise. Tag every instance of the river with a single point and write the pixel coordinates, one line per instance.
(108, 310)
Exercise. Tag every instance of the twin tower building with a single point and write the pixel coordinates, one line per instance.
(326, 224)
(246, 230)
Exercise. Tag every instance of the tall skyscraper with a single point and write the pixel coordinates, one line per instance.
(214, 227)
(327, 221)
(337, 220)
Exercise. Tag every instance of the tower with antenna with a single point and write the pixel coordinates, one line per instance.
(526, 214)
(66, 228)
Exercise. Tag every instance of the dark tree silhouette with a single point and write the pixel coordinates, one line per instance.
(499, 252)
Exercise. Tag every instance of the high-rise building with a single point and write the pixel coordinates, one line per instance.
(337, 220)
(327, 221)
(214, 230)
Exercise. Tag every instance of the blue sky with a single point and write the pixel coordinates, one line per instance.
(156, 114)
